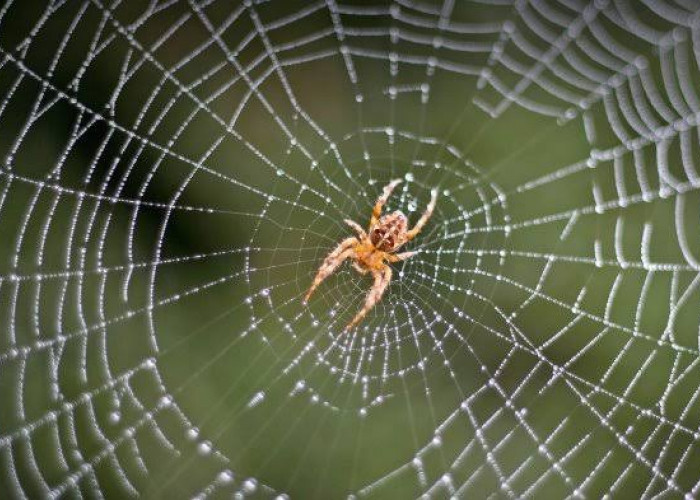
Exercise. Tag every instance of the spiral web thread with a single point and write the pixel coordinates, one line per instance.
(544, 341)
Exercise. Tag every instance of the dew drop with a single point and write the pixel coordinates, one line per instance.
(250, 485)
(204, 448)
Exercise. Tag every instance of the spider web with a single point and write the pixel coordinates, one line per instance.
(175, 171)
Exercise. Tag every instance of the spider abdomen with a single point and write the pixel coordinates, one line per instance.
(382, 239)
(386, 236)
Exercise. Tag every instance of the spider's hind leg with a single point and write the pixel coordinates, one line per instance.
(424, 218)
(358, 229)
(379, 205)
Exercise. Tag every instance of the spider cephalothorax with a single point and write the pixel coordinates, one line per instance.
(371, 250)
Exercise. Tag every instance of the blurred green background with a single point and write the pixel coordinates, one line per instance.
(171, 184)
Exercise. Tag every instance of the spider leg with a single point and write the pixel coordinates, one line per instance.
(424, 218)
(400, 256)
(360, 232)
(381, 281)
(379, 205)
(359, 268)
(331, 263)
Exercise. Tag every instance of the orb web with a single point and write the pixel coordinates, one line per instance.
(175, 171)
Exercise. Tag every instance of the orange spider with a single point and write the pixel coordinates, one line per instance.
(372, 250)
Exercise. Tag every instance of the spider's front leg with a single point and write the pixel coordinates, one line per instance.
(381, 282)
(331, 263)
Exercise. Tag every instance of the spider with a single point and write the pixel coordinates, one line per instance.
(371, 250)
